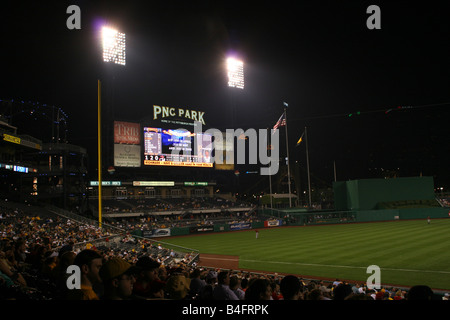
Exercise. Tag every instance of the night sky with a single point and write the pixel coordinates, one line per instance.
(318, 56)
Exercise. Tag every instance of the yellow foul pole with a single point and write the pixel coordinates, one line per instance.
(99, 157)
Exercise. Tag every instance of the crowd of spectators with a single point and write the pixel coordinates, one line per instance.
(329, 218)
(33, 247)
(36, 253)
(160, 205)
(150, 222)
(156, 213)
(444, 200)
(46, 229)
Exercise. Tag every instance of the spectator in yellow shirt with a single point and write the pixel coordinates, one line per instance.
(90, 262)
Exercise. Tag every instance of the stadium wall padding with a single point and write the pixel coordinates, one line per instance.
(221, 227)
(258, 225)
(179, 231)
(376, 215)
(422, 213)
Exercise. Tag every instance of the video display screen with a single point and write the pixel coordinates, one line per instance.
(177, 147)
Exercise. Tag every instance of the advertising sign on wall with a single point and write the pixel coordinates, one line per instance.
(127, 140)
(165, 232)
(201, 229)
(127, 155)
(127, 132)
(272, 223)
(240, 226)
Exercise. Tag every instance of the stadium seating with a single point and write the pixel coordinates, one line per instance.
(47, 233)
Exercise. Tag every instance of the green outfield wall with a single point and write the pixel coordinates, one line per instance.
(367, 194)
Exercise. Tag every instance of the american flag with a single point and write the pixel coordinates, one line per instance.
(281, 122)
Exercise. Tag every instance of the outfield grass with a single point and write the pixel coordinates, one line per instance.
(407, 252)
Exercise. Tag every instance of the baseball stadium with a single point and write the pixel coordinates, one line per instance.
(396, 225)
(212, 151)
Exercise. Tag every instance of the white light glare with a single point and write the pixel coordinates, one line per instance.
(113, 46)
(235, 73)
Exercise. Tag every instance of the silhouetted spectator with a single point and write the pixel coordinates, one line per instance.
(291, 288)
(420, 292)
(258, 289)
(342, 291)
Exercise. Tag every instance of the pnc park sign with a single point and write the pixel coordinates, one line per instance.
(164, 112)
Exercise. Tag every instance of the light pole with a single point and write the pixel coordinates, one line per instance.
(235, 76)
(113, 48)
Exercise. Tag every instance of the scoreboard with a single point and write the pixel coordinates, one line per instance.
(177, 147)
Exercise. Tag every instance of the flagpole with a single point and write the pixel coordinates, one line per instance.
(334, 166)
(288, 160)
(307, 166)
(270, 175)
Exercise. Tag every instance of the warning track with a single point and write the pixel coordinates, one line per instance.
(219, 261)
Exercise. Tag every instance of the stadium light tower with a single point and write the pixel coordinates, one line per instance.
(235, 69)
(113, 46)
(235, 72)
